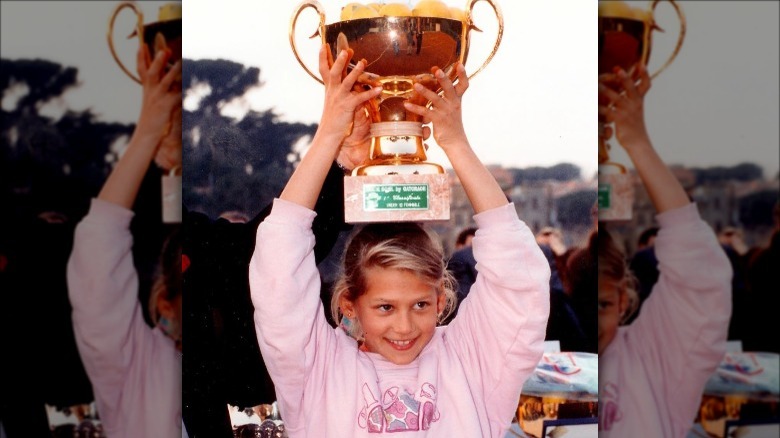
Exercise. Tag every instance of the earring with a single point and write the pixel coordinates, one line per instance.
(169, 327)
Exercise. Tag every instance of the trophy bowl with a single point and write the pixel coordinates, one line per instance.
(164, 33)
(398, 51)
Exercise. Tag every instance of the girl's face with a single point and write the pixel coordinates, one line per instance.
(398, 313)
(612, 303)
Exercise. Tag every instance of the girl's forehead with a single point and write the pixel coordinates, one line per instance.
(608, 287)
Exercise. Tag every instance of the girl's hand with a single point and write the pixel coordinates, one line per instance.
(445, 111)
(355, 147)
(169, 153)
(161, 96)
(342, 103)
(625, 108)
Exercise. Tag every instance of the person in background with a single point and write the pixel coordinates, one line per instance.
(644, 265)
(463, 266)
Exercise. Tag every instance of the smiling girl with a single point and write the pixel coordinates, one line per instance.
(397, 370)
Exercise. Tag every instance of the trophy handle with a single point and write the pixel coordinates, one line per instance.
(500, 18)
(318, 7)
(140, 33)
(680, 37)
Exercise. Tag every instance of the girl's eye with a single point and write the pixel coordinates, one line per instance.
(385, 308)
(603, 305)
(422, 304)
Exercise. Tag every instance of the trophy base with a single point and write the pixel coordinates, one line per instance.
(396, 198)
(615, 194)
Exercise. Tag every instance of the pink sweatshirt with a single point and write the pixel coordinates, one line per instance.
(652, 375)
(135, 370)
(466, 381)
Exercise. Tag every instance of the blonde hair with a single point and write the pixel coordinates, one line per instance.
(612, 265)
(168, 278)
(405, 246)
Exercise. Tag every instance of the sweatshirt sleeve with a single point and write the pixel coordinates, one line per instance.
(500, 327)
(103, 289)
(683, 325)
(285, 287)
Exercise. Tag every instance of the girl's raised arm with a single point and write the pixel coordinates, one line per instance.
(445, 113)
(336, 123)
(626, 110)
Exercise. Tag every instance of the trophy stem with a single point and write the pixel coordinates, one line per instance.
(397, 149)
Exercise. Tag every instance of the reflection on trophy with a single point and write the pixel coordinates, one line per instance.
(400, 46)
(625, 38)
(164, 33)
(159, 35)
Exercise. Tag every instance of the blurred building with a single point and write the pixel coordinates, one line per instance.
(536, 203)
(721, 204)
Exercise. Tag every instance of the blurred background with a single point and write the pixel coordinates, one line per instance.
(68, 111)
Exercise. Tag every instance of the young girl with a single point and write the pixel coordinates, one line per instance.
(406, 374)
(135, 370)
(652, 372)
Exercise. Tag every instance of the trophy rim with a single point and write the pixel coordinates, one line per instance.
(622, 17)
(394, 18)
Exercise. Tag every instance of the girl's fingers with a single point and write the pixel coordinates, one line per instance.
(611, 94)
(463, 79)
(160, 59)
(426, 132)
(334, 75)
(140, 60)
(425, 92)
(352, 77)
(365, 96)
(446, 84)
(644, 79)
(324, 63)
(172, 75)
(628, 84)
(419, 110)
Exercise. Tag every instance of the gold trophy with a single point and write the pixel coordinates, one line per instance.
(625, 38)
(164, 33)
(401, 46)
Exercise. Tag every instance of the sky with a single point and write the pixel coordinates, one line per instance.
(533, 105)
(75, 35)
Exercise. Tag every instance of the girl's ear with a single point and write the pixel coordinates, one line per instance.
(623, 302)
(347, 307)
(441, 302)
(165, 307)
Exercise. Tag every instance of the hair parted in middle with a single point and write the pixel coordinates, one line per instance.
(406, 246)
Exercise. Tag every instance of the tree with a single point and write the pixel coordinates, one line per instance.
(50, 164)
(558, 172)
(233, 164)
(739, 172)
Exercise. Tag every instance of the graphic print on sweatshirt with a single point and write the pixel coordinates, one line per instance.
(609, 408)
(399, 410)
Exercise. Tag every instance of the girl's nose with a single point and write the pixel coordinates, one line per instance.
(403, 324)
